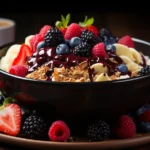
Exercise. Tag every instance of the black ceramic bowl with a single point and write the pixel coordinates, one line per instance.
(84, 100)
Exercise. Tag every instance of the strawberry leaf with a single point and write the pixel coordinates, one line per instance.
(90, 21)
(87, 22)
(58, 24)
(63, 20)
(7, 100)
(68, 19)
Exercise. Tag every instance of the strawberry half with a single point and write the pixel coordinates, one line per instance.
(25, 51)
(87, 24)
(63, 24)
(10, 119)
(127, 41)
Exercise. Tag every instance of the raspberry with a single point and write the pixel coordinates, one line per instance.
(18, 70)
(44, 30)
(59, 131)
(125, 128)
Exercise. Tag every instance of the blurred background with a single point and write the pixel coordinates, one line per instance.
(121, 18)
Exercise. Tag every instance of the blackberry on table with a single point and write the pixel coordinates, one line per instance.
(89, 37)
(54, 37)
(145, 70)
(82, 49)
(34, 127)
(98, 131)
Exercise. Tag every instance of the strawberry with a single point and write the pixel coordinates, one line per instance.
(125, 127)
(10, 118)
(18, 70)
(44, 30)
(99, 50)
(127, 41)
(73, 30)
(87, 24)
(63, 24)
(25, 51)
(145, 116)
(35, 40)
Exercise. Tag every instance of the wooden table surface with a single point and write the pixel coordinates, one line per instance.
(120, 23)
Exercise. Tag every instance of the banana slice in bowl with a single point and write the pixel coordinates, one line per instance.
(103, 77)
(99, 68)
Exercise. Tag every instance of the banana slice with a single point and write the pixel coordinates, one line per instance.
(136, 56)
(132, 66)
(27, 40)
(102, 77)
(11, 54)
(99, 68)
(123, 50)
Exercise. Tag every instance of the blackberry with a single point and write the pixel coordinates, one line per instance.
(82, 49)
(34, 127)
(104, 32)
(89, 37)
(145, 70)
(54, 37)
(98, 131)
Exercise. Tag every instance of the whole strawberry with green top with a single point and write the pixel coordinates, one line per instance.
(63, 24)
(88, 24)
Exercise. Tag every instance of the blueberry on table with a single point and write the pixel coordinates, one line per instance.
(40, 45)
(142, 109)
(122, 68)
(62, 49)
(143, 127)
(75, 41)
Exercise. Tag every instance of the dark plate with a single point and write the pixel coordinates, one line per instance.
(139, 140)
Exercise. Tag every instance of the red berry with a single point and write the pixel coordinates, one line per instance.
(35, 40)
(99, 50)
(73, 30)
(63, 30)
(125, 128)
(59, 131)
(127, 41)
(91, 28)
(145, 116)
(18, 70)
(44, 30)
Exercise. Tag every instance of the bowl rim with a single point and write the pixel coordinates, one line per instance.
(127, 80)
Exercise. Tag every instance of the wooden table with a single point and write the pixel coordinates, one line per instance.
(120, 23)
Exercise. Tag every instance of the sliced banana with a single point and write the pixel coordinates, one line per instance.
(27, 40)
(136, 56)
(123, 50)
(6, 61)
(132, 66)
(102, 77)
(99, 68)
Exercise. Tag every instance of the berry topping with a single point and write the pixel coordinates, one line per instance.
(40, 45)
(99, 50)
(59, 131)
(145, 70)
(44, 30)
(35, 127)
(87, 24)
(18, 70)
(35, 40)
(62, 49)
(54, 37)
(98, 131)
(73, 30)
(125, 127)
(89, 37)
(143, 127)
(82, 49)
(74, 41)
(127, 41)
(10, 118)
(122, 68)
(24, 53)
(63, 24)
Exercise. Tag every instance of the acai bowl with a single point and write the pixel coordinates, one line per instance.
(78, 71)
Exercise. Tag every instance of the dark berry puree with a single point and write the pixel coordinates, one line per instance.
(50, 58)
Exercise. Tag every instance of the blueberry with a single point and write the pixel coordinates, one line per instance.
(40, 45)
(75, 41)
(143, 127)
(142, 109)
(62, 49)
(122, 68)
(111, 48)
